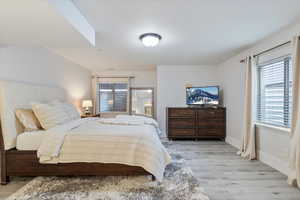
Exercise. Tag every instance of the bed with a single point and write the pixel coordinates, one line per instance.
(59, 152)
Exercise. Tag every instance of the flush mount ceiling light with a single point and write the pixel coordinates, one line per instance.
(150, 39)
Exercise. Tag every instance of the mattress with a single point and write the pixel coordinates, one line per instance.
(100, 141)
(30, 140)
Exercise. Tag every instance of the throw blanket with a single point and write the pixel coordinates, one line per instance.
(125, 122)
(141, 119)
(90, 140)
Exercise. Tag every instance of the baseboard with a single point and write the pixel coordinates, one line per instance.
(274, 162)
(233, 141)
(264, 157)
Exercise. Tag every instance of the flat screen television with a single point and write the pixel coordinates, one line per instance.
(202, 95)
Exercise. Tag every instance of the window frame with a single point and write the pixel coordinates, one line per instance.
(152, 100)
(113, 94)
(286, 115)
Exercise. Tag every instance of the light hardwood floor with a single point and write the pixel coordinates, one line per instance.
(223, 174)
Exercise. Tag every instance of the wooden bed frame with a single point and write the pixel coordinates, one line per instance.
(26, 163)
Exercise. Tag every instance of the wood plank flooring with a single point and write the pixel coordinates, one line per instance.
(223, 174)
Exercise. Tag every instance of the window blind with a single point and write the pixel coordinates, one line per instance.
(274, 93)
(113, 95)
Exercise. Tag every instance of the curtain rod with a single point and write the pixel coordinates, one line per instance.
(280, 45)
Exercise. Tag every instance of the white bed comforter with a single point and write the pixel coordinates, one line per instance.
(131, 120)
(106, 141)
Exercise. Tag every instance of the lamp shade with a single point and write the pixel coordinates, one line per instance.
(87, 103)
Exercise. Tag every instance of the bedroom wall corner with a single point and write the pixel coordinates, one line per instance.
(272, 144)
(172, 81)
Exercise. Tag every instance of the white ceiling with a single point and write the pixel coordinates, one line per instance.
(193, 31)
(36, 23)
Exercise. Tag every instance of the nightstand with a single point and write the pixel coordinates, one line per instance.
(92, 115)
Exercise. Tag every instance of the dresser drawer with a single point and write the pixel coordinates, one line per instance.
(211, 123)
(181, 132)
(180, 123)
(180, 112)
(208, 131)
(210, 114)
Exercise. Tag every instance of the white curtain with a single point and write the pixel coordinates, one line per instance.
(247, 149)
(294, 151)
(94, 94)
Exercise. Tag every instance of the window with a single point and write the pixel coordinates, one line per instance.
(113, 97)
(142, 101)
(275, 92)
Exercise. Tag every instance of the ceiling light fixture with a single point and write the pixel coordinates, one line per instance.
(150, 39)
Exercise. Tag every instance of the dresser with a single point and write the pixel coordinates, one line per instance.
(196, 122)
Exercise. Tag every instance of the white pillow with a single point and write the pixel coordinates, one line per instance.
(69, 108)
(28, 120)
(50, 115)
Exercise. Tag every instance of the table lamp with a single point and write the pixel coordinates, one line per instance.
(86, 104)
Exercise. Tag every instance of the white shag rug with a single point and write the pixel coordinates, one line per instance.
(178, 184)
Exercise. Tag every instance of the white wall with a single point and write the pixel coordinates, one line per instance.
(142, 78)
(171, 84)
(272, 144)
(41, 66)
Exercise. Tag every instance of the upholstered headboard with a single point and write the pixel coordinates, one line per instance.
(14, 95)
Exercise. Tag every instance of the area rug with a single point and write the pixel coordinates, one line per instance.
(178, 184)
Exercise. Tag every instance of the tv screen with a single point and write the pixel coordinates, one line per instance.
(202, 95)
